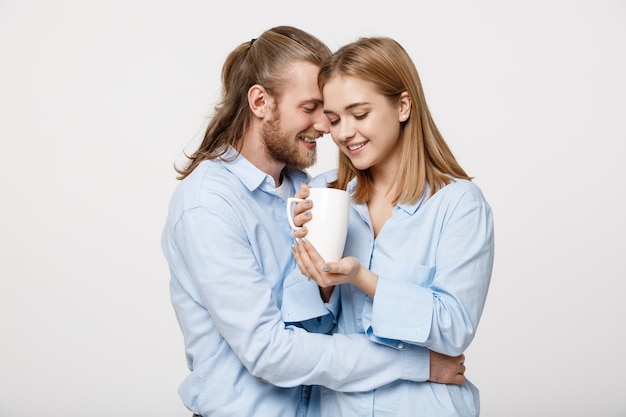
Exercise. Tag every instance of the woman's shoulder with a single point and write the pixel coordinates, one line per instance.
(462, 189)
(323, 179)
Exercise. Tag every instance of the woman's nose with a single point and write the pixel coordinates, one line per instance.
(344, 131)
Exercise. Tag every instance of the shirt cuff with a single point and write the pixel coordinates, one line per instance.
(335, 301)
(416, 363)
(402, 311)
(301, 300)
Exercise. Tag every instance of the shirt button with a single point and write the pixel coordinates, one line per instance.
(400, 345)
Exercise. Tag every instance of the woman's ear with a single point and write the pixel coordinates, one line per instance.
(405, 106)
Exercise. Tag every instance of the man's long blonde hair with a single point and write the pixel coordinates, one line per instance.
(262, 61)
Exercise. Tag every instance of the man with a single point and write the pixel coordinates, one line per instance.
(228, 245)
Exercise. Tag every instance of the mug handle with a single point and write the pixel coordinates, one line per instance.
(290, 201)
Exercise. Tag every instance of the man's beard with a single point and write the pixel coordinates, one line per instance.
(285, 149)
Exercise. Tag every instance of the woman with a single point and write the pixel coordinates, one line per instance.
(420, 246)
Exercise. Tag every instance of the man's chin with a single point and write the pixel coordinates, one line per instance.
(310, 159)
(306, 161)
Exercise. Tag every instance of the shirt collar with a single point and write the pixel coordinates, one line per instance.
(408, 208)
(252, 177)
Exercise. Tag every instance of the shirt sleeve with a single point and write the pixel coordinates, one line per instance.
(303, 306)
(231, 286)
(442, 315)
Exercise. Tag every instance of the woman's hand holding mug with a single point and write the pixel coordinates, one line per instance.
(302, 211)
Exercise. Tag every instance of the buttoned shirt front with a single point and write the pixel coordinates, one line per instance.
(228, 245)
(433, 260)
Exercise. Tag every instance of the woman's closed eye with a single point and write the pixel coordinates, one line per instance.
(335, 120)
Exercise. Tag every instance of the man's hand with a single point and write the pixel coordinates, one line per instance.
(447, 369)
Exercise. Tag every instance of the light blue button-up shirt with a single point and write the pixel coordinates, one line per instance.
(228, 245)
(434, 261)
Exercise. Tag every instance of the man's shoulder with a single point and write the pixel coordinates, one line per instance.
(208, 183)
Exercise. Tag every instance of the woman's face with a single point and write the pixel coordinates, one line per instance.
(364, 124)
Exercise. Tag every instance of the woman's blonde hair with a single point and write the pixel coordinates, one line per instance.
(426, 159)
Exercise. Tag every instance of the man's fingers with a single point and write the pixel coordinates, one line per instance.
(459, 380)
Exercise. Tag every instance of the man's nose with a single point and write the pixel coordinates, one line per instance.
(321, 123)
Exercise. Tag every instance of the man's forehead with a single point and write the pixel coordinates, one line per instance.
(301, 74)
(299, 85)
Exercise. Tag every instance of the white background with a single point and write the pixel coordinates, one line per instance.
(99, 98)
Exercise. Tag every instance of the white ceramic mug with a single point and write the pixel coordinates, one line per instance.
(328, 227)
